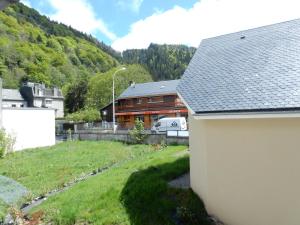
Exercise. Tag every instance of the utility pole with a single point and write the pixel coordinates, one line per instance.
(113, 97)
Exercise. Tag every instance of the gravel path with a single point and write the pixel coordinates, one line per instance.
(181, 182)
(11, 191)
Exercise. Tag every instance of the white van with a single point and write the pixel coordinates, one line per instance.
(169, 124)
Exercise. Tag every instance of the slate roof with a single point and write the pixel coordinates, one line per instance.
(150, 89)
(255, 70)
(12, 94)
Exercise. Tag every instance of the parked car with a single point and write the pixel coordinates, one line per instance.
(169, 124)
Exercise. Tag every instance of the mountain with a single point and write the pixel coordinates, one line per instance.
(165, 62)
(36, 49)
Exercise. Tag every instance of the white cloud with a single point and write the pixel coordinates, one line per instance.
(133, 5)
(80, 15)
(207, 18)
(26, 2)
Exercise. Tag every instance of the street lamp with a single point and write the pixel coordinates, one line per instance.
(113, 93)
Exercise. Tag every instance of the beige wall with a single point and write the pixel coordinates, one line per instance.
(247, 171)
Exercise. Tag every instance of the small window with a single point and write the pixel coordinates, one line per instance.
(22, 105)
(126, 118)
(138, 101)
(156, 99)
(14, 105)
(157, 124)
(141, 118)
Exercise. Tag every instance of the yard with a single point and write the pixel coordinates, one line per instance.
(133, 190)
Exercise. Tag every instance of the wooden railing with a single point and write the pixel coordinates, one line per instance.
(150, 106)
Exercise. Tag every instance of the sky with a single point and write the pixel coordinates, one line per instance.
(129, 24)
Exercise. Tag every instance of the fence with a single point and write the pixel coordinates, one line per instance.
(125, 137)
(95, 125)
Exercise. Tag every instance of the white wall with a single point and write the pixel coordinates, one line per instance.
(9, 104)
(59, 106)
(31, 127)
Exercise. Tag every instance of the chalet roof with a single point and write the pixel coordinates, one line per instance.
(150, 89)
(255, 70)
(12, 94)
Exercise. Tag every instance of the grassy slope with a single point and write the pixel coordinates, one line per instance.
(135, 192)
(2, 210)
(41, 170)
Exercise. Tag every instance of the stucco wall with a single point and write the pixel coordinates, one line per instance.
(31, 127)
(247, 171)
(59, 106)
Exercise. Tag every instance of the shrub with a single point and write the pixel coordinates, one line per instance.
(138, 132)
(7, 143)
(87, 115)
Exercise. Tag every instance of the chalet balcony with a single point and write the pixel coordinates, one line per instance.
(149, 106)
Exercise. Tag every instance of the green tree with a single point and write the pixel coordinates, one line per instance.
(138, 133)
(75, 96)
(86, 115)
(100, 86)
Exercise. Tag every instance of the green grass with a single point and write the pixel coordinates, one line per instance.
(135, 192)
(3, 208)
(44, 169)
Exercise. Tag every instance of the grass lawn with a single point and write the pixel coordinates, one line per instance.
(44, 169)
(2, 210)
(135, 192)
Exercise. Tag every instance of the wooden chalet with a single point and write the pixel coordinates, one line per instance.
(149, 102)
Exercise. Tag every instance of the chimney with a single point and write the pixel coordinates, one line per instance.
(132, 84)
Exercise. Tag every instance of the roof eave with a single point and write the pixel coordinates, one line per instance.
(145, 96)
(288, 113)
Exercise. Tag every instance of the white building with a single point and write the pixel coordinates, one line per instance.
(30, 126)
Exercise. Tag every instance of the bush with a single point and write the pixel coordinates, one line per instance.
(138, 133)
(86, 115)
(7, 143)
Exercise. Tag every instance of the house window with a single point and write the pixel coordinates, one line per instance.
(126, 118)
(22, 105)
(137, 101)
(48, 102)
(139, 117)
(169, 98)
(14, 105)
(156, 99)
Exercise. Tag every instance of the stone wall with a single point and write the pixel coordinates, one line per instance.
(125, 137)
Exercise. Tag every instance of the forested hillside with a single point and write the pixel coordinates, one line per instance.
(34, 48)
(165, 62)
(29, 53)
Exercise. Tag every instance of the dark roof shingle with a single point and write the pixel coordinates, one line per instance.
(150, 89)
(12, 94)
(252, 70)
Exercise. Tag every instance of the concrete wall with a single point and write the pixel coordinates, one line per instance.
(125, 137)
(30, 126)
(247, 170)
(59, 106)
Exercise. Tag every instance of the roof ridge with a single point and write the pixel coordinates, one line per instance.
(251, 29)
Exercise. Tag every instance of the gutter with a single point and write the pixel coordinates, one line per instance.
(247, 115)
